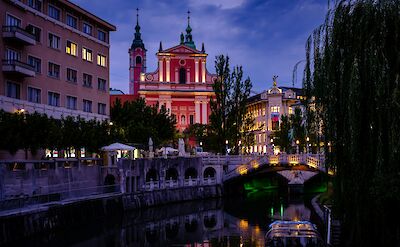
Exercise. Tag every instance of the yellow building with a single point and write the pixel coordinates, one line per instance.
(267, 109)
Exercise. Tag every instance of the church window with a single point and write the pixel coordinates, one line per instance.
(183, 120)
(138, 60)
(182, 75)
(191, 119)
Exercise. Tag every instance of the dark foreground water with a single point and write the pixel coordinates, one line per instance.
(201, 223)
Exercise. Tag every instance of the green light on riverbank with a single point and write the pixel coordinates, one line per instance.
(281, 211)
(272, 211)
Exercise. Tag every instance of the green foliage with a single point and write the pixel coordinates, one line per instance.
(281, 137)
(353, 71)
(228, 119)
(36, 131)
(136, 122)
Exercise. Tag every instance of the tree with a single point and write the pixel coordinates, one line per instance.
(353, 71)
(228, 119)
(136, 122)
(281, 137)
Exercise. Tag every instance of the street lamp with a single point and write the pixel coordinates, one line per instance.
(201, 144)
(297, 146)
(307, 146)
(226, 143)
(111, 123)
(240, 149)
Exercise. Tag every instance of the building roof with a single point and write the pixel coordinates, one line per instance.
(298, 91)
(75, 7)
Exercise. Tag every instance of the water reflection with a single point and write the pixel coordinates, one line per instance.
(241, 222)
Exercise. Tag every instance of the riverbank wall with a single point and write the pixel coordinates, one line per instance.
(26, 222)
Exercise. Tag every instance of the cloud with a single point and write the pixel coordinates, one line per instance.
(222, 4)
(267, 37)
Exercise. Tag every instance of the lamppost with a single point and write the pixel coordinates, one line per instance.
(272, 145)
(297, 146)
(307, 147)
(239, 146)
(226, 148)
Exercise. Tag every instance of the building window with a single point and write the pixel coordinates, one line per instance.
(12, 55)
(53, 99)
(87, 28)
(101, 108)
(35, 4)
(138, 60)
(102, 84)
(72, 21)
(87, 105)
(191, 119)
(183, 120)
(275, 124)
(35, 31)
(71, 75)
(87, 80)
(54, 70)
(87, 54)
(71, 48)
(34, 95)
(13, 21)
(101, 60)
(182, 75)
(290, 110)
(101, 35)
(54, 41)
(36, 63)
(71, 103)
(54, 12)
(13, 90)
(275, 109)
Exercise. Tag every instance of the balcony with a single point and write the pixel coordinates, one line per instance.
(18, 68)
(18, 35)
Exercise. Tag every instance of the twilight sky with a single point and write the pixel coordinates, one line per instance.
(266, 37)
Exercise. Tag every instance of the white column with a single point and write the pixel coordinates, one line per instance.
(168, 71)
(196, 70)
(203, 71)
(204, 113)
(197, 111)
(160, 70)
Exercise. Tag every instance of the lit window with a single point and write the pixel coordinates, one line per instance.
(275, 109)
(71, 48)
(290, 110)
(87, 54)
(101, 60)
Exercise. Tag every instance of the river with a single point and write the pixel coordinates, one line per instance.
(217, 222)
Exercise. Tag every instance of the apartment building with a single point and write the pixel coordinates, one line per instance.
(55, 59)
(267, 109)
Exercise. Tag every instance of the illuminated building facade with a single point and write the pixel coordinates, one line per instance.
(267, 109)
(181, 82)
(55, 59)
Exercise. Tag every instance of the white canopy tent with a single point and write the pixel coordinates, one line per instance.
(117, 146)
(117, 150)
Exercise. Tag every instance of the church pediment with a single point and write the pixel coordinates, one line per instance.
(181, 49)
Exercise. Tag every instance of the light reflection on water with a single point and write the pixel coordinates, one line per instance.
(240, 222)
